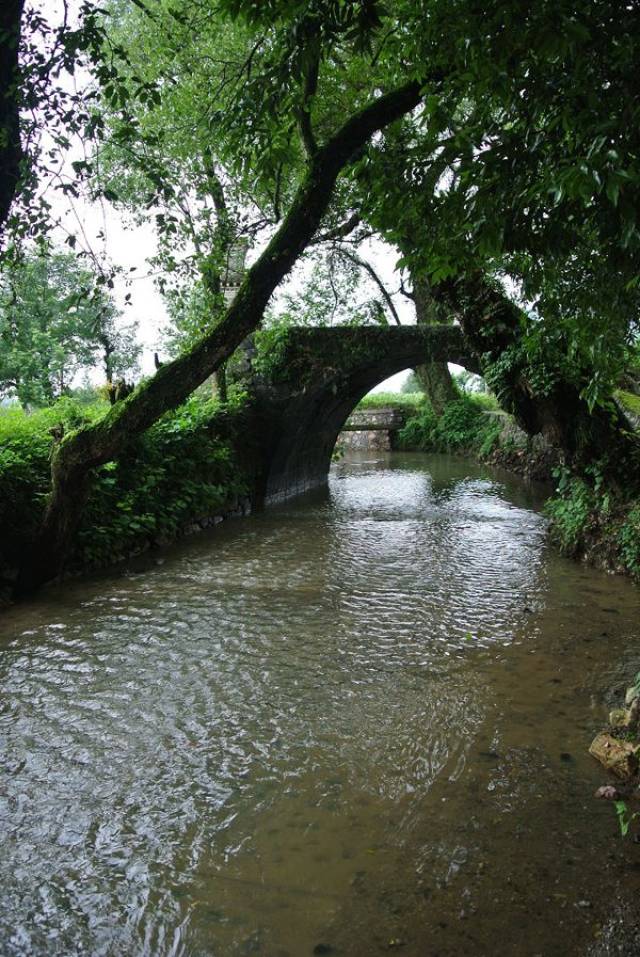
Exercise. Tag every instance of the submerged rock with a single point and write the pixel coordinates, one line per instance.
(619, 757)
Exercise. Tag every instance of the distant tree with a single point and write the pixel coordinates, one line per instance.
(54, 322)
(411, 385)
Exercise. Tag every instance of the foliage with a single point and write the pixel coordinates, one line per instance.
(519, 170)
(470, 382)
(336, 290)
(590, 517)
(463, 426)
(629, 540)
(54, 322)
(625, 819)
(271, 343)
(399, 400)
(25, 474)
(418, 431)
(411, 384)
(571, 510)
(183, 468)
(178, 471)
(629, 401)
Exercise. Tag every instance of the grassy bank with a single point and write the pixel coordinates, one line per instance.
(183, 468)
(397, 400)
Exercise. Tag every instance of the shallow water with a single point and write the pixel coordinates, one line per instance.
(358, 721)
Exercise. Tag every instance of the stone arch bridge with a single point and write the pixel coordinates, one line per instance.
(316, 378)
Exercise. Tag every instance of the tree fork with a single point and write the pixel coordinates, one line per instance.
(82, 451)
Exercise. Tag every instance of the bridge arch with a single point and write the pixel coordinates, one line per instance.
(322, 376)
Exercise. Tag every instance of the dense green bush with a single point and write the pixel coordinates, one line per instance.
(463, 426)
(181, 469)
(629, 541)
(25, 450)
(574, 506)
(589, 518)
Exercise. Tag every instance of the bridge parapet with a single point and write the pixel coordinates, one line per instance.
(385, 419)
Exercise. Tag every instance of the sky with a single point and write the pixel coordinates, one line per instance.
(106, 233)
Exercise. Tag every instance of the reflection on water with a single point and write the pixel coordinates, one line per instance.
(355, 722)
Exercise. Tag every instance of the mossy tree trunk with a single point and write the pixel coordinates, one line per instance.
(434, 377)
(10, 149)
(81, 452)
(494, 326)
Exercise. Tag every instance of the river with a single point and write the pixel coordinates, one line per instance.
(354, 724)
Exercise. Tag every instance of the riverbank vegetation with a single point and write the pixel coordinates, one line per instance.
(183, 469)
(464, 427)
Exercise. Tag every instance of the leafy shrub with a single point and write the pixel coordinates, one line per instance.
(629, 541)
(181, 469)
(463, 426)
(25, 450)
(271, 344)
(418, 431)
(571, 509)
(588, 517)
(460, 424)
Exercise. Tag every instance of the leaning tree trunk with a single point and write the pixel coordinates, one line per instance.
(10, 149)
(434, 377)
(494, 326)
(82, 451)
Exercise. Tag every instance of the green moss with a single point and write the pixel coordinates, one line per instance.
(629, 401)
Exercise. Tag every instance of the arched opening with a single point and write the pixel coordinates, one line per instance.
(312, 417)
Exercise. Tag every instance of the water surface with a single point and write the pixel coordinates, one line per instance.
(358, 721)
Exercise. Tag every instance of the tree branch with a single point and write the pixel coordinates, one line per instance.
(368, 268)
(304, 113)
(340, 231)
(106, 439)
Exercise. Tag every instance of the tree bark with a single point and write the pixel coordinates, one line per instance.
(434, 377)
(493, 324)
(10, 149)
(82, 451)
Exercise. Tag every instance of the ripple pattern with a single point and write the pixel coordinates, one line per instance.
(276, 696)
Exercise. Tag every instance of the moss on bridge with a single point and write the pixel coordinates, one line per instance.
(298, 357)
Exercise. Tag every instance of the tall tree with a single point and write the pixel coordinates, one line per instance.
(270, 103)
(54, 323)
(519, 170)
